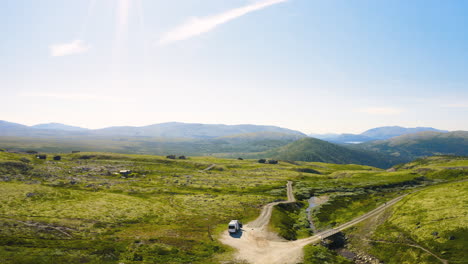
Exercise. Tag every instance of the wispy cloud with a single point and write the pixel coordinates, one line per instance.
(76, 97)
(197, 26)
(381, 110)
(64, 49)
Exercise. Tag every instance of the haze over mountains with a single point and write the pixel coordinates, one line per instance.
(378, 133)
(163, 130)
(382, 147)
(428, 143)
(58, 126)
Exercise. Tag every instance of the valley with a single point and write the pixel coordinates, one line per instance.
(388, 147)
(82, 209)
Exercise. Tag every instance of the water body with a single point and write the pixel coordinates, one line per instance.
(312, 204)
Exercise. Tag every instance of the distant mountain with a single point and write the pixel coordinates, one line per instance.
(58, 126)
(164, 130)
(395, 131)
(9, 129)
(312, 149)
(263, 136)
(378, 133)
(161, 139)
(347, 138)
(187, 130)
(12, 129)
(428, 143)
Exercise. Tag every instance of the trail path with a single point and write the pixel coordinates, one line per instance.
(257, 245)
(209, 167)
(264, 218)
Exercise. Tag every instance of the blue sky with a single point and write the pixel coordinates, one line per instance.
(314, 66)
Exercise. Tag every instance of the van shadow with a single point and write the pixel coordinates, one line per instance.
(237, 234)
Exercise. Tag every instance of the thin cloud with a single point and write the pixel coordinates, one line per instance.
(65, 49)
(381, 110)
(197, 26)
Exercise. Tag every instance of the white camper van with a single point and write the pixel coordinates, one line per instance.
(234, 226)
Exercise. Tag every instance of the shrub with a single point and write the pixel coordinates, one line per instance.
(25, 160)
(320, 255)
(307, 170)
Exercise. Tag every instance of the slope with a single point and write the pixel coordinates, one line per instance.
(395, 131)
(312, 149)
(187, 130)
(378, 133)
(409, 147)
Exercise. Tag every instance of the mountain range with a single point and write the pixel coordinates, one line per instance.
(379, 133)
(163, 130)
(428, 143)
(382, 147)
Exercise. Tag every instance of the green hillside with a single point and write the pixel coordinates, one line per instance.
(426, 227)
(79, 209)
(231, 146)
(312, 149)
(163, 130)
(409, 147)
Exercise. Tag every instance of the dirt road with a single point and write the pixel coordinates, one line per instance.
(262, 221)
(257, 245)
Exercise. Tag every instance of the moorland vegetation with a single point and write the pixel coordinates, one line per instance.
(80, 209)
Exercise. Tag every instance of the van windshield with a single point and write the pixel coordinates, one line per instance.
(232, 227)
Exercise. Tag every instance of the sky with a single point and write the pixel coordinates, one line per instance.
(317, 66)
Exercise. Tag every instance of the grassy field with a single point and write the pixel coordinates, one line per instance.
(426, 227)
(81, 210)
(434, 219)
(223, 146)
(166, 211)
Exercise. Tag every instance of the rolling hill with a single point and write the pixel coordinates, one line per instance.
(186, 130)
(312, 149)
(378, 133)
(58, 126)
(409, 147)
(164, 130)
(160, 139)
(395, 131)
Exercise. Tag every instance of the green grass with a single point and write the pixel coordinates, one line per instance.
(290, 221)
(312, 149)
(225, 146)
(80, 209)
(433, 219)
(166, 211)
(321, 255)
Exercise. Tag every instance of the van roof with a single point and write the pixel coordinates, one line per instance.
(234, 221)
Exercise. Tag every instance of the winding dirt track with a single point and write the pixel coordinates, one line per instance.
(256, 245)
(264, 218)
